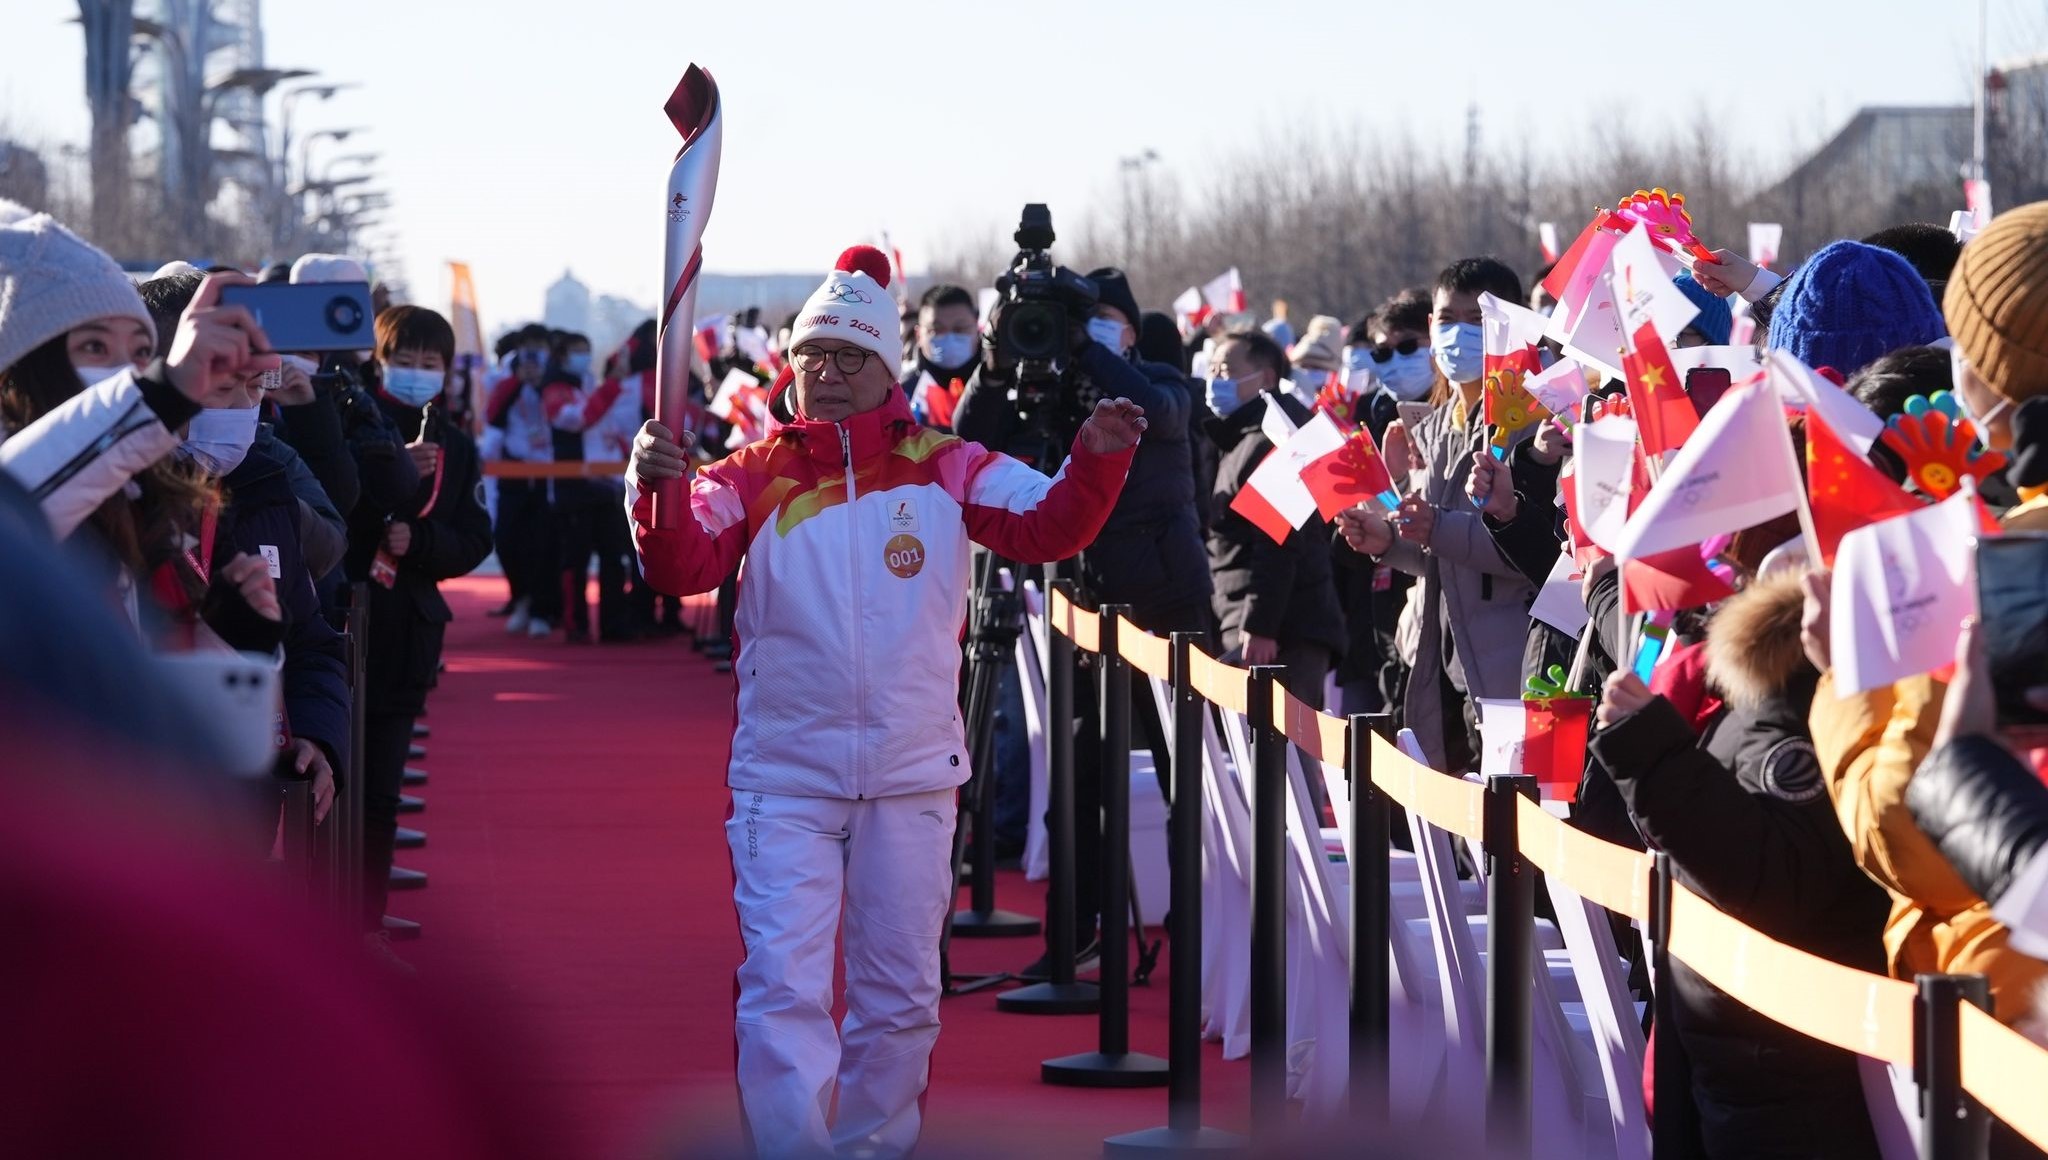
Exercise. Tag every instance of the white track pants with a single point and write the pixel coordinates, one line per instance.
(793, 859)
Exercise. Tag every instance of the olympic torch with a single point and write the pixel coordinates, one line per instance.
(692, 182)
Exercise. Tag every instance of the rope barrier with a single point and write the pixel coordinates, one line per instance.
(2007, 1072)
(566, 469)
(1870, 1015)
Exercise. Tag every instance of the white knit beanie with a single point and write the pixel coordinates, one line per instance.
(854, 305)
(52, 281)
(328, 268)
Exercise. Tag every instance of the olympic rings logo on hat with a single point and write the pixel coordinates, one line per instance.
(845, 292)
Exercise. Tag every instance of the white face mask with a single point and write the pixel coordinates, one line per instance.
(1408, 377)
(219, 437)
(94, 376)
(1460, 350)
(1109, 332)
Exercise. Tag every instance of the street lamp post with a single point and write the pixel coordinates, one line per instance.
(1134, 168)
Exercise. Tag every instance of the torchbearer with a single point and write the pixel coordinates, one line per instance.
(854, 524)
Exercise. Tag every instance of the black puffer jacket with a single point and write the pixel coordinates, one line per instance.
(1983, 808)
(1149, 553)
(1746, 818)
(1280, 590)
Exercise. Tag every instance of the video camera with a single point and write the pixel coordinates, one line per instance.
(1042, 304)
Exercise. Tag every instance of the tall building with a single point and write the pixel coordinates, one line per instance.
(568, 305)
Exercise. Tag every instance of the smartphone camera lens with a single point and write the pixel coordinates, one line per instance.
(344, 316)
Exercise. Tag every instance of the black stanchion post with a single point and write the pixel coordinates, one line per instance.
(352, 836)
(1954, 1125)
(1113, 1063)
(1510, 933)
(1061, 994)
(296, 826)
(1372, 910)
(1269, 907)
(1670, 1082)
(1183, 1131)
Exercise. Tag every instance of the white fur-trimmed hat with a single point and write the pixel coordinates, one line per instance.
(854, 306)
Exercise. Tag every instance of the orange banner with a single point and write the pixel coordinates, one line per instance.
(1615, 877)
(1076, 624)
(1864, 1013)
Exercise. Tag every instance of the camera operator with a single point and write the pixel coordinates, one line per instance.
(1149, 554)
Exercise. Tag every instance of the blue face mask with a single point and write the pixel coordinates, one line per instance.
(952, 351)
(1223, 396)
(577, 364)
(1357, 358)
(218, 438)
(1407, 377)
(411, 385)
(1108, 332)
(1459, 349)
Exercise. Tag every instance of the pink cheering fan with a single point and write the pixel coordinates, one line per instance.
(1665, 220)
(694, 109)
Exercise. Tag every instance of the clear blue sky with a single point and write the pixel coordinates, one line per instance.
(526, 136)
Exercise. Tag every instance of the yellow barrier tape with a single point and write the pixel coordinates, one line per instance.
(1318, 733)
(1076, 624)
(2007, 1073)
(1615, 877)
(1864, 1013)
(1151, 655)
(568, 469)
(1446, 802)
(1223, 686)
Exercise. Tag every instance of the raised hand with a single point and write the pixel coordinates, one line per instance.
(1116, 424)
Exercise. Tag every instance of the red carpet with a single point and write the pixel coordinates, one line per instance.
(580, 892)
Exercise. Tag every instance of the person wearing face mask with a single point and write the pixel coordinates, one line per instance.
(439, 533)
(1149, 554)
(323, 531)
(1276, 601)
(947, 347)
(262, 519)
(86, 401)
(1393, 343)
(854, 525)
(1318, 355)
(1474, 604)
(525, 532)
(587, 510)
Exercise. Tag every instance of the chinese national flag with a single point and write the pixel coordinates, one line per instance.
(1353, 473)
(1670, 581)
(1554, 749)
(1664, 412)
(1845, 491)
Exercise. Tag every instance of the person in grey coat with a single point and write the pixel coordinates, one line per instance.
(1475, 602)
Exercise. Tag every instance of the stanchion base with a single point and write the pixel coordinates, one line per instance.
(416, 753)
(1094, 1069)
(994, 924)
(408, 804)
(401, 929)
(410, 839)
(415, 777)
(1173, 1141)
(1052, 999)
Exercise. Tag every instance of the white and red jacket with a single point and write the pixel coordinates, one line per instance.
(607, 415)
(516, 409)
(854, 593)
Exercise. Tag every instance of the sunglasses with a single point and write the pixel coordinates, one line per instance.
(1406, 346)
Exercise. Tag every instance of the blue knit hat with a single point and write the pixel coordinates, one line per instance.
(1851, 304)
(1714, 320)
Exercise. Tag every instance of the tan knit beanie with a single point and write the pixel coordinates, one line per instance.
(1997, 303)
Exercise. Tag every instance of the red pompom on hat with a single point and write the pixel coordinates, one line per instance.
(867, 260)
(854, 306)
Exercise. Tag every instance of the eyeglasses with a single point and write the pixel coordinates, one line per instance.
(849, 359)
(1384, 353)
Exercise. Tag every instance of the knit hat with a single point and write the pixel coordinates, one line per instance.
(1115, 286)
(1852, 303)
(1714, 320)
(52, 281)
(328, 268)
(1321, 347)
(1997, 302)
(854, 306)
